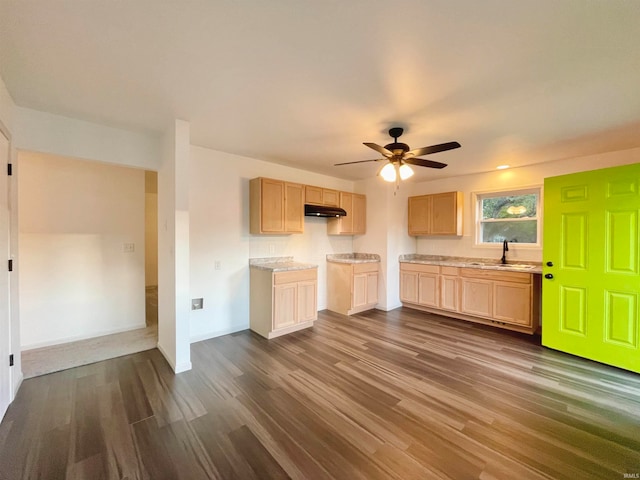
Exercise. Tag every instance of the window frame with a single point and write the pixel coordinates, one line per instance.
(477, 202)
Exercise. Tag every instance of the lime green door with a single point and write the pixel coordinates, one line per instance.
(591, 271)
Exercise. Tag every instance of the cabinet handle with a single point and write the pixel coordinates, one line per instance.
(549, 264)
(548, 275)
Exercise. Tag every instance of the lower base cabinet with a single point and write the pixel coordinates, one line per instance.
(506, 299)
(283, 302)
(352, 287)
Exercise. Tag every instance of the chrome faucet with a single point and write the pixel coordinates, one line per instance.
(505, 248)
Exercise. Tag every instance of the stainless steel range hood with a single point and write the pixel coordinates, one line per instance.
(323, 211)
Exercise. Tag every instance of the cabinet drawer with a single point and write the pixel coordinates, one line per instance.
(517, 277)
(365, 267)
(454, 271)
(419, 267)
(294, 276)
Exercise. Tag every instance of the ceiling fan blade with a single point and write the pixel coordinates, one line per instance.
(421, 162)
(379, 149)
(442, 147)
(359, 161)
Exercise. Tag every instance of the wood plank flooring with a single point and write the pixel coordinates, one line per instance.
(396, 395)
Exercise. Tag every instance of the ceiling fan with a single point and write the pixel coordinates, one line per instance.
(399, 157)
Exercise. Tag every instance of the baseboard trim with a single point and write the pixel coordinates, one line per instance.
(182, 367)
(16, 386)
(218, 333)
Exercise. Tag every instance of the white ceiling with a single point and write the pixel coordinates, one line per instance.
(305, 82)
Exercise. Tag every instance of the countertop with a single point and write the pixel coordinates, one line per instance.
(481, 263)
(353, 258)
(279, 264)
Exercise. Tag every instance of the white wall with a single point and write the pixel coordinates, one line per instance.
(219, 231)
(504, 180)
(48, 133)
(386, 234)
(75, 279)
(173, 248)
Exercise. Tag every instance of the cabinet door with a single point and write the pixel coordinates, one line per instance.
(359, 294)
(428, 289)
(346, 223)
(512, 303)
(313, 195)
(359, 203)
(284, 305)
(272, 206)
(449, 293)
(419, 215)
(293, 208)
(330, 197)
(307, 301)
(372, 288)
(477, 297)
(444, 214)
(409, 286)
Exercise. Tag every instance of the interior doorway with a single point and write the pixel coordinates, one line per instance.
(85, 228)
(151, 247)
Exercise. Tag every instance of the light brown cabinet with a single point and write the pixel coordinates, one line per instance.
(352, 287)
(506, 299)
(283, 302)
(276, 207)
(355, 222)
(449, 288)
(502, 296)
(436, 214)
(321, 196)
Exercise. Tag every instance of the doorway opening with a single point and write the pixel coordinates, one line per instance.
(84, 228)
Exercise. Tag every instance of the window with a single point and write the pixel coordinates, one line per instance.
(511, 216)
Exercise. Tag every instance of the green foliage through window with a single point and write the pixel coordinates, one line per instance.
(509, 217)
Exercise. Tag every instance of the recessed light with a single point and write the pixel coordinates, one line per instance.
(502, 167)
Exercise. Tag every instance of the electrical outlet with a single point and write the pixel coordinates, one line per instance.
(128, 247)
(197, 303)
(217, 265)
(272, 249)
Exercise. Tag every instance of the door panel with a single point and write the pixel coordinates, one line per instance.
(428, 290)
(621, 318)
(307, 301)
(449, 293)
(372, 288)
(284, 305)
(622, 257)
(477, 297)
(591, 236)
(5, 329)
(359, 290)
(409, 287)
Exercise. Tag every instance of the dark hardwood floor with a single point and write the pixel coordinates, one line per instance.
(398, 395)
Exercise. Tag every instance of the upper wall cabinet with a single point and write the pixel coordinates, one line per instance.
(355, 222)
(320, 196)
(437, 214)
(276, 207)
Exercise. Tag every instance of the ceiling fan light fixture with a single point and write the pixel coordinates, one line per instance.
(405, 171)
(388, 173)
